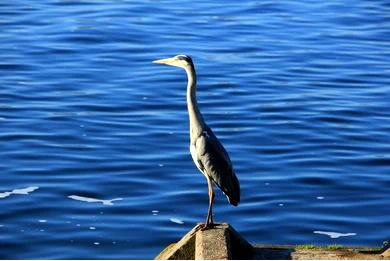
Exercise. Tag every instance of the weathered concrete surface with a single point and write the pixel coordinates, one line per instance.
(213, 244)
(272, 252)
(223, 242)
(386, 254)
(241, 248)
(182, 250)
(341, 254)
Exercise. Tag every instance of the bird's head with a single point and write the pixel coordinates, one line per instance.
(182, 61)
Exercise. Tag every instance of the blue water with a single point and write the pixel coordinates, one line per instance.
(297, 91)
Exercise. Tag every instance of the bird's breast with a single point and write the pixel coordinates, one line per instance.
(194, 156)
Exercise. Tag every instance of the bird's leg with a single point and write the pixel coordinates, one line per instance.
(209, 221)
(211, 196)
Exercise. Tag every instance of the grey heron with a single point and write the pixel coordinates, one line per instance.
(207, 152)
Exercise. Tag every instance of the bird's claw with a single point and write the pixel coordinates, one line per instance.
(206, 226)
(202, 227)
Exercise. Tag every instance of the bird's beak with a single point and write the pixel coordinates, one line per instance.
(164, 61)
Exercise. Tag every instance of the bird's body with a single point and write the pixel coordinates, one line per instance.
(207, 152)
(213, 161)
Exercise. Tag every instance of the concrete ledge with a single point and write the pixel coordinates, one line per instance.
(182, 250)
(386, 254)
(208, 241)
(223, 242)
(278, 252)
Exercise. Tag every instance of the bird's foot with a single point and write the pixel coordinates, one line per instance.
(206, 226)
(202, 227)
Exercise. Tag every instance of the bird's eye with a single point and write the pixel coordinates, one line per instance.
(182, 57)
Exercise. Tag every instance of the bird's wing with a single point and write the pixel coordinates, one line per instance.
(215, 162)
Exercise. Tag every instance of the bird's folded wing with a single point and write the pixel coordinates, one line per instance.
(216, 164)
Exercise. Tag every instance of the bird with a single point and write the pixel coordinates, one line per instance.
(207, 152)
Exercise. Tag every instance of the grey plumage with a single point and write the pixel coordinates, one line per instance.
(214, 162)
(208, 154)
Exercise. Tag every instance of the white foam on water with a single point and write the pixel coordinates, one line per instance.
(96, 243)
(93, 200)
(4, 194)
(320, 197)
(42, 221)
(334, 234)
(23, 191)
(281, 205)
(177, 221)
(92, 228)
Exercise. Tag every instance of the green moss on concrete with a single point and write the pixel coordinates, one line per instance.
(307, 247)
(315, 247)
(335, 247)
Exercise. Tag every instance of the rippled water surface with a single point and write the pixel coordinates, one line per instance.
(94, 154)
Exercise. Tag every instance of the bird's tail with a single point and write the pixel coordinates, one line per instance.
(234, 193)
(231, 189)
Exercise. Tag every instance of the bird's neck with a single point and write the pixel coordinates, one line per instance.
(196, 120)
